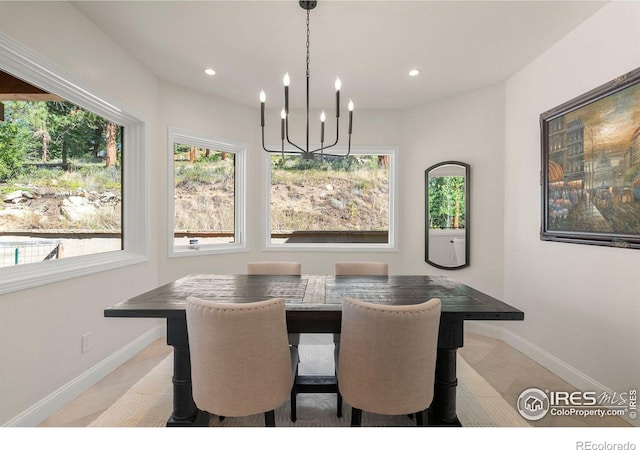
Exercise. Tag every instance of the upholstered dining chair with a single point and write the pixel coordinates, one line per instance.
(241, 362)
(274, 268)
(387, 357)
(277, 268)
(363, 268)
(355, 268)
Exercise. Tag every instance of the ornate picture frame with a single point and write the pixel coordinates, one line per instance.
(590, 175)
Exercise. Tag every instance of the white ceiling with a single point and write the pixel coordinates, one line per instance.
(458, 45)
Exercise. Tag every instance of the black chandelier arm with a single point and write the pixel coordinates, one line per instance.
(286, 127)
(343, 155)
(266, 149)
(323, 147)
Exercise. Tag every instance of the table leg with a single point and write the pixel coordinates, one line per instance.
(443, 407)
(185, 412)
(442, 411)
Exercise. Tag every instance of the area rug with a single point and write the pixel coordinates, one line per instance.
(149, 402)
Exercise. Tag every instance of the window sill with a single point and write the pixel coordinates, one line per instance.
(323, 247)
(17, 278)
(181, 252)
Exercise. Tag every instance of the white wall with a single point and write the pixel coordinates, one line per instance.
(467, 128)
(41, 328)
(582, 303)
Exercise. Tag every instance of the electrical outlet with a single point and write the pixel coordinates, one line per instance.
(87, 342)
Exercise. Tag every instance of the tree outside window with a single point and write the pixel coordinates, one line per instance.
(446, 202)
(60, 181)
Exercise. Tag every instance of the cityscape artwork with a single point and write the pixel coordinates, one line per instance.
(591, 166)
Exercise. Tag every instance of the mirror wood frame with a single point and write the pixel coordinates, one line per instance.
(467, 208)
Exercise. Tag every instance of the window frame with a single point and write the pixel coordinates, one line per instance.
(24, 63)
(391, 246)
(186, 137)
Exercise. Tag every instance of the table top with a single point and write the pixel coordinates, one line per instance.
(309, 293)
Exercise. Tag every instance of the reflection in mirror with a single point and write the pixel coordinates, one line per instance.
(447, 215)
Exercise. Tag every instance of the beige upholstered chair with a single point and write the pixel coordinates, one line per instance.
(241, 362)
(277, 268)
(387, 357)
(274, 268)
(364, 268)
(355, 268)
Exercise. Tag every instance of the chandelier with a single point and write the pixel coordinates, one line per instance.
(305, 152)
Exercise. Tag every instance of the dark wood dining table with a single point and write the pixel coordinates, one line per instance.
(314, 305)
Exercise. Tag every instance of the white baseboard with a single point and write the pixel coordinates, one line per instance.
(552, 363)
(43, 409)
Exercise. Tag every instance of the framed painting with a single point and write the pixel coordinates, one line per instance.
(591, 166)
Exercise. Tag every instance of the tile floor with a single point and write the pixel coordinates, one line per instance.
(506, 369)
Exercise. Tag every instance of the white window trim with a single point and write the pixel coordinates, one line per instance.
(240, 150)
(23, 63)
(391, 246)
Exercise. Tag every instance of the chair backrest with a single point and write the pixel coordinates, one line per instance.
(240, 359)
(274, 268)
(388, 355)
(361, 268)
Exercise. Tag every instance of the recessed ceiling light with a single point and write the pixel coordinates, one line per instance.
(414, 72)
(210, 71)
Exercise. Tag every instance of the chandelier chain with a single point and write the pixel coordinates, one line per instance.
(308, 34)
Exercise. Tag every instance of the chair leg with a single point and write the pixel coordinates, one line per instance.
(420, 418)
(336, 353)
(270, 418)
(294, 393)
(356, 417)
(294, 410)
(338, 397)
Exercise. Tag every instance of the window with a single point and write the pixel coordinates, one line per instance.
(206, 194)
(63, 159)
(60, 177)
(331, 204)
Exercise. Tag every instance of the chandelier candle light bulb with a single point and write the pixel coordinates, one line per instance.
(350, 115)
(286, 80)
(263, 98)
(323, 117)
(338, 86)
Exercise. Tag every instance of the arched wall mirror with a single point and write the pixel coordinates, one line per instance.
(447, 215)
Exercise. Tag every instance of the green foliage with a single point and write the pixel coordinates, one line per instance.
(446, 202)
(182, 152)
(202, 172)
(338, 164)
(12, 149)
(45, 177)
(61, 128)
(88, 176)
